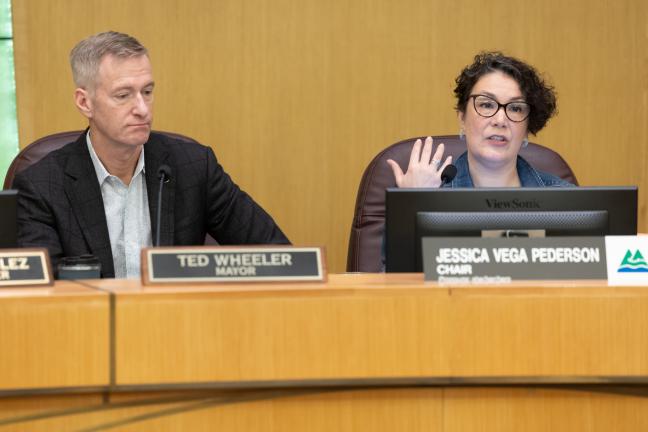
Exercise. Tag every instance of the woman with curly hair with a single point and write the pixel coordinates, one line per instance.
(500, 100)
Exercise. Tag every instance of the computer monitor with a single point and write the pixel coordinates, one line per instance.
(8, 219)
(412, 214)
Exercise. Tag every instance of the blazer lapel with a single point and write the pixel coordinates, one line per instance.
(156, 155)
(83, 192)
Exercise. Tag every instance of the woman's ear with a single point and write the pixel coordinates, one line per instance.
(460, 117)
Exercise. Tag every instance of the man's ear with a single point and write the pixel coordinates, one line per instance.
(83, 102)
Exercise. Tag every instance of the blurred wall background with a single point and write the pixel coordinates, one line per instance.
(297, 96)
(8, 124)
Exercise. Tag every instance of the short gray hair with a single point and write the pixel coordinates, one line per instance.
(87, 54)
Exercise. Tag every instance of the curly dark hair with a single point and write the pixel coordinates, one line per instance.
(538, 94)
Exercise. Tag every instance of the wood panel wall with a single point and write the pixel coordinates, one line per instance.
(297, 96)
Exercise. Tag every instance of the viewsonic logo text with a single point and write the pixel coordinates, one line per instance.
(512, 204)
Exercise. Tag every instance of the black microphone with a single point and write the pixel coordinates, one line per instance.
(448, 174)
(164, 174)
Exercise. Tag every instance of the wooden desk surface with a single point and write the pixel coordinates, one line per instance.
(196, 358)
(387, 326)
(355, 327)
(53, 337)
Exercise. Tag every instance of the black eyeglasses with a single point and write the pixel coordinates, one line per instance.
(486, 106)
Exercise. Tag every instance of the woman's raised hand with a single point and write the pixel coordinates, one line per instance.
(423, 170)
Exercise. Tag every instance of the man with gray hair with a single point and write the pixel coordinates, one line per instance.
(98, 195)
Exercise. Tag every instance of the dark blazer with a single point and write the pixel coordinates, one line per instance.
(60, 206)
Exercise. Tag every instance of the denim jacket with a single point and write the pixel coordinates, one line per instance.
(529, 176)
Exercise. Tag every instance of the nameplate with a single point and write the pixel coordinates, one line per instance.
(465, 260)
(627, 260)
(207, 264)
(25, 267)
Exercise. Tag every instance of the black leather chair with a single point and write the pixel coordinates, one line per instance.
(369, 217)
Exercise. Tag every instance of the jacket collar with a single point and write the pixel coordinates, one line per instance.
(86, 203)
(529, 177)
(156, 155)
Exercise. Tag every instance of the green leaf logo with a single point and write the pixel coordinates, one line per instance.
(633, 263)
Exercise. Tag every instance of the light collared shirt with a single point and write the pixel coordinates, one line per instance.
(127, 214)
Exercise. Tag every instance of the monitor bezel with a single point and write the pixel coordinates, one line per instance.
(402, 206)
(8, 218)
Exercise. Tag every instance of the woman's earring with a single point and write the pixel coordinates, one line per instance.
(461, 134)
(525, 142)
